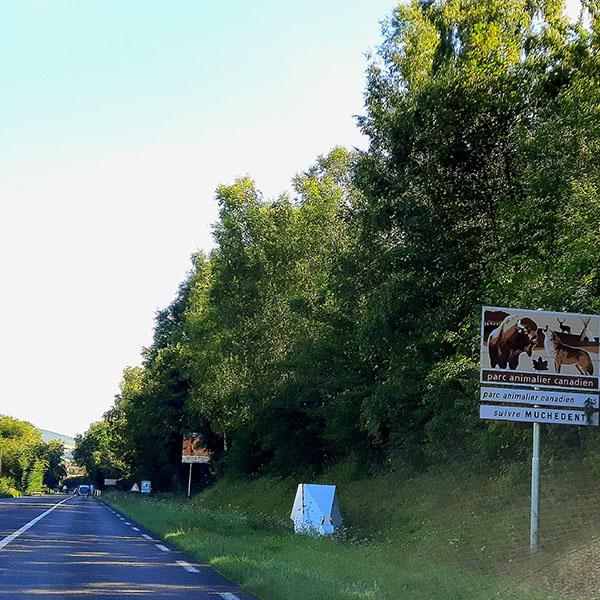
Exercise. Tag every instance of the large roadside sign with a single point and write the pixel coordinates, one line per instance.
(524, 349)
(194, 450)
(534, 348)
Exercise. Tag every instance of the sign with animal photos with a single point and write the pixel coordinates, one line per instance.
(194, 450)
(535, 348)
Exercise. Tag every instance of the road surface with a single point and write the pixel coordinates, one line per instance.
(54, 547)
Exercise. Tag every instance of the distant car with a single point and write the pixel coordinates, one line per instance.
(83, 490)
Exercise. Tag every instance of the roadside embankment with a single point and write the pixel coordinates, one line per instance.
(448, 533)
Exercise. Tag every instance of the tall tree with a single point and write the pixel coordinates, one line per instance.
(268, 314)
(56, 470)
(461, 206)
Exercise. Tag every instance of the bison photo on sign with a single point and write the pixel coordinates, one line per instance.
(539, 349)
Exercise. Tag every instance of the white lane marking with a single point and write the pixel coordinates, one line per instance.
(135, 528)
(189, 568)
(145, 535)
(228, 596)
(161, 547)
(127, 523)
(9, 538)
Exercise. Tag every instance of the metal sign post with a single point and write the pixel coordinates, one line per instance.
(535, 488)
(190, 481)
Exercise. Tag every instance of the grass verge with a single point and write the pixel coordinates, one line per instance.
(445, 535)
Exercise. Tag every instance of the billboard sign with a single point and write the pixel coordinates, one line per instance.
(110, 482)
(194, 450)
(535, 348)
(543, 398)
(527, 414)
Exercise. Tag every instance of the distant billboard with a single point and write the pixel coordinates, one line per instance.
(194, 450)
(535, 348)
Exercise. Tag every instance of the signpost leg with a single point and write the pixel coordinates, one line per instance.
(190, 481)
(535, 487)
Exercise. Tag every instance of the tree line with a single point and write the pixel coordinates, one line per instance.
(344, 320)
(27, 463)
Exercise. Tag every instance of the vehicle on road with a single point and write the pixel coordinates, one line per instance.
(83, 490)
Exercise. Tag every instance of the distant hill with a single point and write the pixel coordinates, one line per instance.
(68, 442)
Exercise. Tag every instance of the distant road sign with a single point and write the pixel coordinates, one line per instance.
(528, 396)
(558, 416)
(135, 488)
(110, 482)
(146, 487)
(194, 450)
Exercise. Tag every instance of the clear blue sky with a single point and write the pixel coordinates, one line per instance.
(119, 120)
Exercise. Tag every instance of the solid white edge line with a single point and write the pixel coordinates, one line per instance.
(161, 547)
(9, 538)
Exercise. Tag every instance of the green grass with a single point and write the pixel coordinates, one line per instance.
(446, 534)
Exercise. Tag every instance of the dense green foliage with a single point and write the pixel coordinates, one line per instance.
(345, 320)
(27, 464)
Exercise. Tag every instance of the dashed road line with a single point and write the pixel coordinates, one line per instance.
(186, 565)
(135, 528)
(161, 547)
(127, 523)
(228, 596)
(145, 535)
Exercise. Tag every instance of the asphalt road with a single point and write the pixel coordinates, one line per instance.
(80, 548)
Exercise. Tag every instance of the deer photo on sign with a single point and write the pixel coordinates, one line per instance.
(539, 348)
